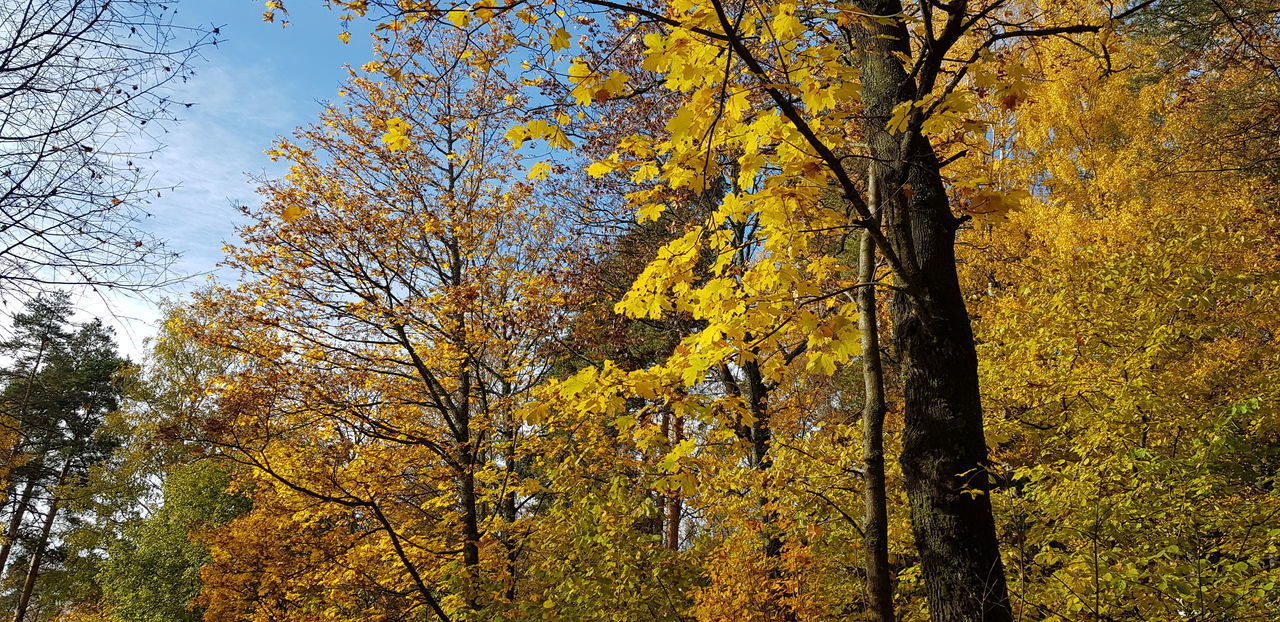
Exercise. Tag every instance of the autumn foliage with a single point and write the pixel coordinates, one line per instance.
(760, 311)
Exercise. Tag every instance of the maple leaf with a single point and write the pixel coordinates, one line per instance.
(397, 134)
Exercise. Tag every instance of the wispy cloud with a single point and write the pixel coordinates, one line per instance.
(210, 159)
(262, 82)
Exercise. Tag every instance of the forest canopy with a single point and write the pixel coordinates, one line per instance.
(703, 310)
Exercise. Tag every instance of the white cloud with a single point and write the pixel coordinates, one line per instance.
(244, 97)
(210, 157)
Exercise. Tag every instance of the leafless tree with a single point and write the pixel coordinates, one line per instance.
(85, 92)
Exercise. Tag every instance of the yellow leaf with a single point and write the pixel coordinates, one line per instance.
(560, 40)
(292, 213)
(459, 18)
(616, 83)
(397, 135)
(901, 116)
(600, 169)
(578, 71)
(517, 135)
(650, 212)
(539, 171)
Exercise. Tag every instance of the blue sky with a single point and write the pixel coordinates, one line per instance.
(260, 82)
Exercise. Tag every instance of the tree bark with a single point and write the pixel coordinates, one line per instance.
(37, 554)
(470, 513)
(876, 523)
(761, 435)
(15, 522)
(508, 502)
(674, 503)
(944, 452)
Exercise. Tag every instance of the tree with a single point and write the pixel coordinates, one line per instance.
(59, 394)
(152, 573)
(1128, 338)
(782, 117)
(398, 290)
(84, 87)
(774, 70)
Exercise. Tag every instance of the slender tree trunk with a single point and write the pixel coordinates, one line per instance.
(876, 523)
(758, 401)
(467, 461)
(761, 435)
(944, 453)
(508, 502)
(470, 528)
(37, 554)
(467, 456)
(24, 500)
(15, 522)
(470, 513)
(674, 503)
(467, 451)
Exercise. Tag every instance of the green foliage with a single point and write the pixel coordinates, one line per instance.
(152, 573)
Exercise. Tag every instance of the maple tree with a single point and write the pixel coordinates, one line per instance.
(750, 310)
(392, 324)
(1145, 368)
(768, 112)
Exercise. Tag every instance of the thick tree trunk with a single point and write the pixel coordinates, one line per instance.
(944, 452)
(876, 522)
(944, 455)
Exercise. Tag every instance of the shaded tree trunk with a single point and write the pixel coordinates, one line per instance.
(37, 554)
(761, 436)
(508, 502)
(674, 503)
(944, 452)
(470, 511)
(15, 522)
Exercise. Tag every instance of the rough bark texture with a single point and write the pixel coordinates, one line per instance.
(944, 452)
(876, 522)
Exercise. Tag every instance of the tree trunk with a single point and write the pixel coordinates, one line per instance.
(761, 435)
(508, 503)
(674, 503)
(944, 453)
(470, 513)
(15, 523)
(876, 523)
(467, 458)
(37, 554)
